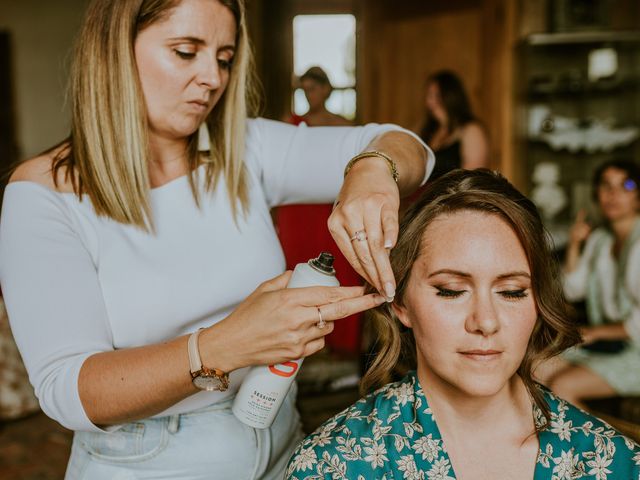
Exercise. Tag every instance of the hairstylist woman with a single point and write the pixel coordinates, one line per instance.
(123, 243)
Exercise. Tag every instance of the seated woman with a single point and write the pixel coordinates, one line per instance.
(480, 303)
(605, 273)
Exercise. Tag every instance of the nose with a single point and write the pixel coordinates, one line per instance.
(209, 74)
(483, 318)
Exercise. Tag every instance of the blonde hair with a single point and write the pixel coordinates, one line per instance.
(486, 192)
(108, 153)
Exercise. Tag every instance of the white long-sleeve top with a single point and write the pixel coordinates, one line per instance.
(597, 259)
(76, 284)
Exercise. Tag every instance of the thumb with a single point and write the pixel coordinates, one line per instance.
(581, 215)
(277, 283)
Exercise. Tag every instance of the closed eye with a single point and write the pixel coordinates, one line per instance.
(185, 55)
(448, 293)
(514, 294)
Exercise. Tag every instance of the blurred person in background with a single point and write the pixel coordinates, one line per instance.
(317, 89)
(602, 267)
(450, 127)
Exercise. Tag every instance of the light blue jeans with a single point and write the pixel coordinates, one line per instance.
(209, 443)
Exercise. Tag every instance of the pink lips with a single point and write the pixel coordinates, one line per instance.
(199, 104)
(482, 355)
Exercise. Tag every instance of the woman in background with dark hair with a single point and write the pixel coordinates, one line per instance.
(450, 127)
(602, 266)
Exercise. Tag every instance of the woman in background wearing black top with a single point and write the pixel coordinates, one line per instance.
(450, 127)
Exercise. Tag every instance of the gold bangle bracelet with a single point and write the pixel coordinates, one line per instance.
(393, 168)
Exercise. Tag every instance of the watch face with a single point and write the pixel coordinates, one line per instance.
(208, 383)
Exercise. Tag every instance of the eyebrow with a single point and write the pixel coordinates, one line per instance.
(447, 271)
(459, 273)
(200, 41)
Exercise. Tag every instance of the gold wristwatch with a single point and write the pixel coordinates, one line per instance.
(209, 379)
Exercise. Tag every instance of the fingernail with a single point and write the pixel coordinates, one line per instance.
(379, 299)
(388, 243)
(389, 291)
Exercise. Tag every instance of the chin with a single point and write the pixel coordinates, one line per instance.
(474, 385)
(486, 390)
(187, 129)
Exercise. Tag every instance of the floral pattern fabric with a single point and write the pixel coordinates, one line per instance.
(391, 434)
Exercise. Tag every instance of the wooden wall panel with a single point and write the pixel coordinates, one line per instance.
(8, 144)
(500, 26)
(406, 51)
(472, 38)
(399, 43)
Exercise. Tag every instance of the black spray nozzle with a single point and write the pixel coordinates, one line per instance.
(323, 263)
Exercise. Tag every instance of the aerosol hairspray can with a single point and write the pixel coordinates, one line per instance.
(265, 387)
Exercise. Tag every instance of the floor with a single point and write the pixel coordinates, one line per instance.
(33, 448)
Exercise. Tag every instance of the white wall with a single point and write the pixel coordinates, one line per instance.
(42, 33)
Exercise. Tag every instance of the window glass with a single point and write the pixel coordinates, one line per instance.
(328, 41)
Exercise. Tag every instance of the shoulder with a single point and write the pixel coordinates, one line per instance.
(262, 129)
(350, 441)
(340, 121)
(597, 239)
(590, 436)
(334, 445)
(473, 132)
(40, 170)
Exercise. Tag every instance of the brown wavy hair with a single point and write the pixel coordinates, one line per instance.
(487, 192)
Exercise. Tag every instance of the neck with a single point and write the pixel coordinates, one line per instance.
(317, 109)
(443, 123)
(622, 228)
(458, 413)
(168, 159)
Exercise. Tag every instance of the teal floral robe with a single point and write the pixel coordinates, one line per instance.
(391, 434)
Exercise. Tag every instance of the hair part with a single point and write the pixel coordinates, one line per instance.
(107, 153)
(487, 192)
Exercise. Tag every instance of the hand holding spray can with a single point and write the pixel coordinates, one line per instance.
(265, 387)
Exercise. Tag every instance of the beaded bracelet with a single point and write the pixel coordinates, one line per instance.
(374, 153)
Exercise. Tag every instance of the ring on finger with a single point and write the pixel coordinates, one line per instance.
(321, 323)
(360, 235)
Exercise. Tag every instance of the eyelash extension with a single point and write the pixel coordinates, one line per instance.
(185, 55)
(510, 294)
(447, 293)
(514, 294)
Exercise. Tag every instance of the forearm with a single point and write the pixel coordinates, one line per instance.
(125, 385)
(408, 154)
(615, 331)
(571, 258)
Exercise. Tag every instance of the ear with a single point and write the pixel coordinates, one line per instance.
(402, 314)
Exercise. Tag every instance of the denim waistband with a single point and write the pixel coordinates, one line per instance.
(160, 441)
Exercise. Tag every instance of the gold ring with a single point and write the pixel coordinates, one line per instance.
(321, 323)
(360, 235)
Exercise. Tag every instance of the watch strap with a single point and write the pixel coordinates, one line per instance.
(195, 363)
